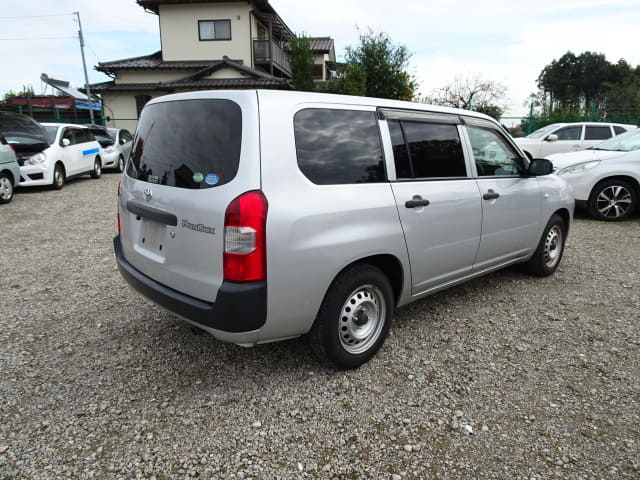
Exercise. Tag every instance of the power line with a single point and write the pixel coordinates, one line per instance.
(37, 38)
(40, 16)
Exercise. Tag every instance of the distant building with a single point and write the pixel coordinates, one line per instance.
(206, 44)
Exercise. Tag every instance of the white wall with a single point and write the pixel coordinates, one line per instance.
(179, 31)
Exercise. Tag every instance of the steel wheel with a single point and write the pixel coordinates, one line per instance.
(58, 177)
(614, 201)
(362, 319)
(546, 258)
(97, 168)
(354, 318)
(553, 245)
(6, 188)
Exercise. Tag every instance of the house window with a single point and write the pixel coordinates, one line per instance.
(141, 101)
(214, 29)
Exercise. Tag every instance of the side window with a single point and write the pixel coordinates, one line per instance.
(338, 146)
(426, 150)
(214, 29)
(618, 130)
(69, 135)
(569, 133)
(597, 133)
(492, 155)
(125, 137)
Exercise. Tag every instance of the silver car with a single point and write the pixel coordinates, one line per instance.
(123, 141)
(265, 215)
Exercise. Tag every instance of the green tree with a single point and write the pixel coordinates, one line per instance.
(301, 62)
(473, 93)
(27, 90)
(376, 68)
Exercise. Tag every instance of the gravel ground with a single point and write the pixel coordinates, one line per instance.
(506, 377)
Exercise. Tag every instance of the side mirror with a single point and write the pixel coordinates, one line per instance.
(66, 142)
(539, 167)
(552, 137)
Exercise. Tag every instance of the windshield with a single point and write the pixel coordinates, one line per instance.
(51, 133)
(622, 143)
(541, 132)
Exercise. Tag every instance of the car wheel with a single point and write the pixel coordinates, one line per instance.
(354, 318)
(121, 164)
(97, 168)
(612, 200)
(6, 188)
(58, 177)
(547, 256)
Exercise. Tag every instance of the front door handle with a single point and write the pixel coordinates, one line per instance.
(417, 201)
(491, 195)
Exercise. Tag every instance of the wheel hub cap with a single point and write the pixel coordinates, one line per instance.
(362, 319)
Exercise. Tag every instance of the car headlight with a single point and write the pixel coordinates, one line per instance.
(580, 167)
(110, 149)
(38, 158)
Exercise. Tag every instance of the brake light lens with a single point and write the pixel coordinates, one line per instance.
(118, 207)
(245, 249)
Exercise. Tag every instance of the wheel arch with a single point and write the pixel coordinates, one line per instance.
(9, 174)
(566, 217)
(625, 178)
(390, 265)
(62, 165)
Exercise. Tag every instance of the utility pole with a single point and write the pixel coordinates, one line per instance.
(84, 66)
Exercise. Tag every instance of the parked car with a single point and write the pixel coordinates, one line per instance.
(26, 136)
(107, 145)
(9, 171)
(569, 137)
(266, 215)
(73, 151)
(123, 143)
(605, 178)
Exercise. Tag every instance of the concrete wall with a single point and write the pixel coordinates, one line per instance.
(179, 31)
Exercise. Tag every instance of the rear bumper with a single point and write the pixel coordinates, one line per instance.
(238, 308)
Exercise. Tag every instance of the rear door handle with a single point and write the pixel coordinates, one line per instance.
(417, 201)
(491, 195)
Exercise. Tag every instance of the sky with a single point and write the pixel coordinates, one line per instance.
(505, 41)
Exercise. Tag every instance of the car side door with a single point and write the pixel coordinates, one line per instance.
(436, 197)
(569, 139)
(69, 146)
(511, 201)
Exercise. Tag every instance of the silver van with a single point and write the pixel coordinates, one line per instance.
(266, 215)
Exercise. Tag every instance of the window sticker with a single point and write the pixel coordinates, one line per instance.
(198, 177)
(211, 179)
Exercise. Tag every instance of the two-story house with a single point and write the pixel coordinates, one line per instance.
(206, 44)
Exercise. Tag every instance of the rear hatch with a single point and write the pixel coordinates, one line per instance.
(193, 153)
(25, 135)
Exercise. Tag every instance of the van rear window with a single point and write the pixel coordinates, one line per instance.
(188, 143)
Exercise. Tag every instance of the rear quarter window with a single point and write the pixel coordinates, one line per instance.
(338, 146)
(187, 143)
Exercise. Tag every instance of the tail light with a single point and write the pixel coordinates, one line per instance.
(245, 248)
(118, 207)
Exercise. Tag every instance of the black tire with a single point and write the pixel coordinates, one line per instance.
(6, 188)
(548, 255)
(97, 168)
(120, 164)
(612, 200)
(58, 177)
(354, 318)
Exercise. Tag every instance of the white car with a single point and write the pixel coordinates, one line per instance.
(568, 137)
(605, 178)
(73, 151)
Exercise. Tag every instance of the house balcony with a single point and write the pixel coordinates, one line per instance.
(272, 57)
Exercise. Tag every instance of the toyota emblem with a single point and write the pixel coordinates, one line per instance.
(147, 194)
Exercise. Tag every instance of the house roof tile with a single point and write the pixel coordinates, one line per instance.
(321, 44)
